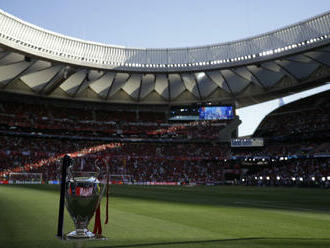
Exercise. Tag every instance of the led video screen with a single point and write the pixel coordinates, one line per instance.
(216, 113)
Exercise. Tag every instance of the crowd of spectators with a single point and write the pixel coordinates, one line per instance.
(295, 123)
(48, 119)
(304, 118)
(143, 161)
(194, 156)
(298, 148)
(184, 163)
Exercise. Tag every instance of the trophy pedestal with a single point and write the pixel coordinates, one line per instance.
(84, 234)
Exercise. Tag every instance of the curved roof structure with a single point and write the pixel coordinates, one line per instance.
(40, 62)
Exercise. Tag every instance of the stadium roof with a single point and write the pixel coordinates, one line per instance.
(39, 62)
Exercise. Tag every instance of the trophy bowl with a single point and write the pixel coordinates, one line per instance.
(84, 191)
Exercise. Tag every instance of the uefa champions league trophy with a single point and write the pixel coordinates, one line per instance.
(83, 193)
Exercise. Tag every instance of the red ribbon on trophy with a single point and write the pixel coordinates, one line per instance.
(97, 226)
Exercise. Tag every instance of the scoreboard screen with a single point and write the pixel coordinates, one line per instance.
(201, 113)
(216, 113)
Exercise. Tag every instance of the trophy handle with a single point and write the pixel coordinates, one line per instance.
(105, 162)
(69, 170)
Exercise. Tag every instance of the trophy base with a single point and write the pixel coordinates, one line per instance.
(83, 235)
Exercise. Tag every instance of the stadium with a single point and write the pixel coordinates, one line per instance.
(166, 121)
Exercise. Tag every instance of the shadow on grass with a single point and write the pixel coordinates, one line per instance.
(206, 242)
(40, 187)
(292, 199)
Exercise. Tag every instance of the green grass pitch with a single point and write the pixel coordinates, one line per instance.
(155, 216)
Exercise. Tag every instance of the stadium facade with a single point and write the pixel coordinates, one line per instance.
(38, 62)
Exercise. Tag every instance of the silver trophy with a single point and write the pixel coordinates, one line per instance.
(84, 191)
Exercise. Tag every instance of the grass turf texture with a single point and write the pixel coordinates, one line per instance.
(142, 216)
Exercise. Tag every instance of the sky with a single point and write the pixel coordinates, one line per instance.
(171, 23)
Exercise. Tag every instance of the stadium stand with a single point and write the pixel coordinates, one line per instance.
(286, 159)
(297, 148)
(36, 118)
(63, 95)
(144, 161)
(306, 117)
(174, 152)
